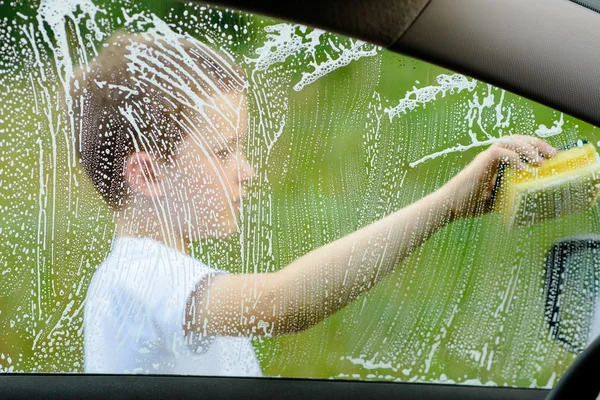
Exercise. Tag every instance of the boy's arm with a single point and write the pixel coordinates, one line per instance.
(327, 279)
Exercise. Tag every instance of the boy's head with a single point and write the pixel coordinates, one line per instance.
(160, 124)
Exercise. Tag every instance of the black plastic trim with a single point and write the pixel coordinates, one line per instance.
(581, 379)
(144, 387)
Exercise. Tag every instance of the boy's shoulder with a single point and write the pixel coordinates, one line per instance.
(142, 265)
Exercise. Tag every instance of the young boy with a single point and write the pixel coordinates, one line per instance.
(160, 125)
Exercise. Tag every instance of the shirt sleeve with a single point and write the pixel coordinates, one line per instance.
(174, 285)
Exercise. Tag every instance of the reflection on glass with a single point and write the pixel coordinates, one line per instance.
(190, 190)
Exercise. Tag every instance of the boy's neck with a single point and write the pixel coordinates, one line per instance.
(132, 223)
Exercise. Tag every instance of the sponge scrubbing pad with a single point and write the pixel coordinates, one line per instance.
(566, 183)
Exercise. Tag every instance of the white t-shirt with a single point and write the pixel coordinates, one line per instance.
(135, 313)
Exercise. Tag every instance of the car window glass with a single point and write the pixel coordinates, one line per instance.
(340, 133)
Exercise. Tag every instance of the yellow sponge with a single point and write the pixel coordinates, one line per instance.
(566, 183)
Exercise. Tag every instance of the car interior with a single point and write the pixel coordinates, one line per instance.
(543, 53)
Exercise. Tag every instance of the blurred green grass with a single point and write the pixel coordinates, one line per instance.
(467, 305)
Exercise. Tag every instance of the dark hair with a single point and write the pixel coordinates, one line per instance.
(131, 97)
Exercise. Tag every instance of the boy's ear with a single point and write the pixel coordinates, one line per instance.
(142, 175)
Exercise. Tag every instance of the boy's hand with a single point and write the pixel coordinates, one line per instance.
(470, 192)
